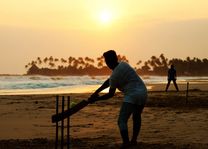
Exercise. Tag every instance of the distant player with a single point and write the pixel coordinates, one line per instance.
(127, 81)
(172, 77)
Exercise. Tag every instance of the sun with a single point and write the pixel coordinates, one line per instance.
(105, 17)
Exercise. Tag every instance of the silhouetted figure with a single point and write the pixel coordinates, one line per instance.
(172, 77)
(127, 81)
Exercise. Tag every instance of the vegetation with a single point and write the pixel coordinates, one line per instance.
(88, 66)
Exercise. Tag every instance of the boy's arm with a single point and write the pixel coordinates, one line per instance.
(103, 86)
(108, 95)
(104, 97)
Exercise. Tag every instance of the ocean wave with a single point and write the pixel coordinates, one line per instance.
(44, 82)
(38, 82)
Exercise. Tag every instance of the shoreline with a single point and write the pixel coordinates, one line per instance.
(91, 88)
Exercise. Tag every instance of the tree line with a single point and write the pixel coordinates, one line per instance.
(89, 66)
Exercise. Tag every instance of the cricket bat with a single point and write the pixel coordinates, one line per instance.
(60, 116)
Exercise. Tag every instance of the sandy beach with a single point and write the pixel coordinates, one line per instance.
(168, 121)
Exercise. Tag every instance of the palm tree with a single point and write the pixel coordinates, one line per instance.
(138, 63)
(152, 62)
(122, 58)
(81, 63)
(145, 68)
(75, 63)
(51, 58)
(26, 66)
(39, 60)
(70, 60)
(45, 60)
(56, 59)
(100, 61)
(33, 63)
(91, 62)
(63, 61)
(87, 62)
(51, 64)
(164, 60)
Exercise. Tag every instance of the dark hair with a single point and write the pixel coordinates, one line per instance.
(110, 55)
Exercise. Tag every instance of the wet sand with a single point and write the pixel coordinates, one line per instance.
(167, 122)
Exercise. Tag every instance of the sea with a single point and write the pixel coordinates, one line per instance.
(21, 84)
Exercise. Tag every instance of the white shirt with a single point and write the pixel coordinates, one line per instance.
(125, 78)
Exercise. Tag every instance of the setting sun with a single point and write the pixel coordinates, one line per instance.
(105, 17)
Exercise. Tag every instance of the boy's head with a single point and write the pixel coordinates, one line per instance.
(111, 59)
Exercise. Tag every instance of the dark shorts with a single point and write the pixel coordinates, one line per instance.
(125, 112)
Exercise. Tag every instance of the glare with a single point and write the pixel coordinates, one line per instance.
(105, 17)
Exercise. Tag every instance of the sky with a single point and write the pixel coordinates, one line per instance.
(137, 29)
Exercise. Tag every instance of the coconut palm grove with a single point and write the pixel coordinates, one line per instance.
(156, 65)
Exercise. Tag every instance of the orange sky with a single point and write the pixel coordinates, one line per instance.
(135, 28)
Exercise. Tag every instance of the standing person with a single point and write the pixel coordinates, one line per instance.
(127, 81)
(172, 77)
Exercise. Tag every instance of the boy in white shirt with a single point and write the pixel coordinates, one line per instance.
(127, 81)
